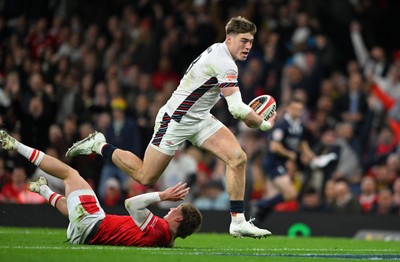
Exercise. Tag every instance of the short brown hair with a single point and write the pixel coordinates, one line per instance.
(240, 25)
(191, 221)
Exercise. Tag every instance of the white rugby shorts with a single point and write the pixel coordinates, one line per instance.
(169, 135)
(84, 211)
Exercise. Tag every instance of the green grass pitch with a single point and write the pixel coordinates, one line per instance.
(45, 244)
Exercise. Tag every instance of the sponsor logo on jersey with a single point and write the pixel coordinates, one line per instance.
(231, 75)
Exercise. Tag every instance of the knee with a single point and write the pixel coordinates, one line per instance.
(146, 180)
(237, 159)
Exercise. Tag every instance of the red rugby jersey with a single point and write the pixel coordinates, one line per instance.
(122, 231)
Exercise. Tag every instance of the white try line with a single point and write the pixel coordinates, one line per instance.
(201, 250)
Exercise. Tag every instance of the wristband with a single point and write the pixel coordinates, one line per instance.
(265, 126)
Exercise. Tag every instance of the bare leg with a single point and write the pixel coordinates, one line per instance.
(72, 180)
(225, 146)
(145, 172)
(62, 206)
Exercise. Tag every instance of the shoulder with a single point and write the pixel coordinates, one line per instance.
(220, 57)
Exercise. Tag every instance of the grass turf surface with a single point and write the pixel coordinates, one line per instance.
(45, 244)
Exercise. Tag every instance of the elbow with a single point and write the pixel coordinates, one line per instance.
(127, 204)
(239, 111)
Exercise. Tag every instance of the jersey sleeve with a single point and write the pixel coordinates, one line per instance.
(226, 72)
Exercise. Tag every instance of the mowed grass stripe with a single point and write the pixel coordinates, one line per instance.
(34, 244)
(205, 250)
(375, 257)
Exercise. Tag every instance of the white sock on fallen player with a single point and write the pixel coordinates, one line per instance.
(32, 154)
(51, 196)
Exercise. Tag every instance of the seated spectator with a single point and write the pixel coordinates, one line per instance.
(212, 197)
(385, 204)
(112, 194)
(345, 202)
(11, 190)
(368, 196)
(311, 201)
(382, 176)
(384, 145)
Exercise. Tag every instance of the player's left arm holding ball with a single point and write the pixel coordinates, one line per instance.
(137, 205)
(242, 111)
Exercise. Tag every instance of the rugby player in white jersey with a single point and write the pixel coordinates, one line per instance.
(186, 116)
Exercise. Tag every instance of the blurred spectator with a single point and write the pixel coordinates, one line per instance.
(182, 168)
(345, 202)
(71, 48)
(385, 204)
(70, 129)
(327, 145)
(39, 38)
(348, 167)
(68, 99)
(101, 99)
(374, 63)
(164, 73)
(123, 133)
(143, 120)
(112, 195)
(36, 111)
(329, 194)
(368, 196)
(10, 191)
(102, 121)
(381, 148)
(311, 201)
(352, 107)
(212, 197)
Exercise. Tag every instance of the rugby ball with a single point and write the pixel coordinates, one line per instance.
(264, 106)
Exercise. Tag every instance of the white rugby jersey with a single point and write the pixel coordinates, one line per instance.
(198, 91)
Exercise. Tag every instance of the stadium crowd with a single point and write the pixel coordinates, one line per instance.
(71, 67)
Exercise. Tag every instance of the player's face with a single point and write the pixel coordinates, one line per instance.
(239, 45)
(174, 212)
(295, 109)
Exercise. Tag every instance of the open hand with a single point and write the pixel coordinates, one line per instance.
(175, 193)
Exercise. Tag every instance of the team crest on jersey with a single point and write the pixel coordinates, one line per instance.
(231, 75)
(169, 143)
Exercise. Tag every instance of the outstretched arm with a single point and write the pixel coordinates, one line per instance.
(137, 205)
(358, 43)
(244, 112)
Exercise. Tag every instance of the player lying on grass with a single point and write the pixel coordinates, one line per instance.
(89, 224)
